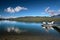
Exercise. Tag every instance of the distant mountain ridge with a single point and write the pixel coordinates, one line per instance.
(57, 16)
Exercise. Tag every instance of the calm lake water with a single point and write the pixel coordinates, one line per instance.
(29, 27)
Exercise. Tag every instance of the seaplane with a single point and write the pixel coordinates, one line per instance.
(48, 25)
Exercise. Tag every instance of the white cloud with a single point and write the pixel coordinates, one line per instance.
(6, 17)
(52, 12)
(16, 9)
(47, 9)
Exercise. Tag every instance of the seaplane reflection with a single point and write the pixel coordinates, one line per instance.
(48, 25)
(14, 29)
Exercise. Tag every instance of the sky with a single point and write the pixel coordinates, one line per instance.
(21, 8)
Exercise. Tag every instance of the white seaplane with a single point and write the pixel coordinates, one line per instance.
(48, 25)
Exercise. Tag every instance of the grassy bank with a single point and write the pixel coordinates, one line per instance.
(35, 19)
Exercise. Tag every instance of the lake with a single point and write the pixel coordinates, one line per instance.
(28, 28)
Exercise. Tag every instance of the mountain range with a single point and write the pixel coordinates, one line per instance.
(56, 16)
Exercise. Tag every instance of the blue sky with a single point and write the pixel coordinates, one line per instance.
(20, 8)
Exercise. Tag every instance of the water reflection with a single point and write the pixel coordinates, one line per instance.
(29, 27)
(6, 21)
(56, 28)
(14, 29)
(48, 27)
